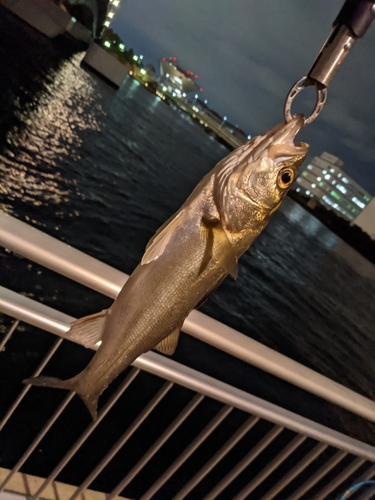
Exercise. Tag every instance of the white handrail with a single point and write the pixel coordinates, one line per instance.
(60, 257)
(32, 312)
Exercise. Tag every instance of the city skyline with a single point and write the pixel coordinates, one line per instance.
(248, 57)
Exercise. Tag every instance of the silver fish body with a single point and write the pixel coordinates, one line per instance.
(187, 258)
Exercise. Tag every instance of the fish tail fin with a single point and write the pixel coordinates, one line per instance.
(51, 382)
(90, 400)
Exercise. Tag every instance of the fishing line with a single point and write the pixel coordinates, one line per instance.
(355, 487)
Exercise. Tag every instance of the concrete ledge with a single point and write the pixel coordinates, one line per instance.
(48, 18)
(22, 486)
(105, 65)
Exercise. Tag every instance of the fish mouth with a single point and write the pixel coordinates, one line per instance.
(285, 133)
(282, 145)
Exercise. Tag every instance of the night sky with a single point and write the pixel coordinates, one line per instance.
(248, 54)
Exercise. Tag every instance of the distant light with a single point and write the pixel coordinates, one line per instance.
(184, 95)
(205, 101)
(358, 202)
(309, 167)
(141, 57)
(121, 46)
(298, 190)
(74, 20)
(143, 71)
(106, 23)
(164, 89)
(135, 58)
(324, 171)
(196, 96)
(167, 75)
(146, 84)
(174, 94)
(225, 118)
(327, 176)
(107, 43)
(318, 178)
(111, 14)
(339, 175)
(342, 189)
(164, 59)
(201, 89)
(332, 170)
(175, 58)
(249, 137)
(307, 192)
(313, 186)
(116, 3)
(344, 179)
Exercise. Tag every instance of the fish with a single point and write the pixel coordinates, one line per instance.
(187, 259)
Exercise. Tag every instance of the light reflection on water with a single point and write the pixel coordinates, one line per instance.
(30, 165)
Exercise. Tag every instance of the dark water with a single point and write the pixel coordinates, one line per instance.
(101, 170)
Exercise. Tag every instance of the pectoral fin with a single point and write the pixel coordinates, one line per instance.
(156, 246)
(218, 247)
(169, 344)
(88, 330)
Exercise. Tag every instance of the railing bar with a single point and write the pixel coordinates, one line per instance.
(202, 436)
(310, 457)
(242, 464)
(323, 471)
(279, 459)
(26, 388)
(103, 412)
(198, 398)
(38, 439)
(9, 334)
(356, 464)
(124, 438)
(219, 455)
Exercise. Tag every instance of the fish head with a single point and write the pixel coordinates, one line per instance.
(273, 165)
(253, 180)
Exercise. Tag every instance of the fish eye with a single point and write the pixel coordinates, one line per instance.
(285, 178)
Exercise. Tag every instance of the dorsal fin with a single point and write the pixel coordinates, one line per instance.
(169, 344)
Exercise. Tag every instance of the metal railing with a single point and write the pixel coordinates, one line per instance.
(49, 252)
(279, 454)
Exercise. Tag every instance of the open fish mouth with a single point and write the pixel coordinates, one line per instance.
(286, 133)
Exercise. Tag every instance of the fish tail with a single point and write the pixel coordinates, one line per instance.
(72, 384)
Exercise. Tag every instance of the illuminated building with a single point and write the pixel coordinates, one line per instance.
(366, 219)
(176, 79)
(324, 180)
(112, 7)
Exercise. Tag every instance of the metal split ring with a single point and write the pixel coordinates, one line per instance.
(321, 96)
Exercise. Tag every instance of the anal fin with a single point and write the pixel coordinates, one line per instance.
(169, 344)
(88, 331)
